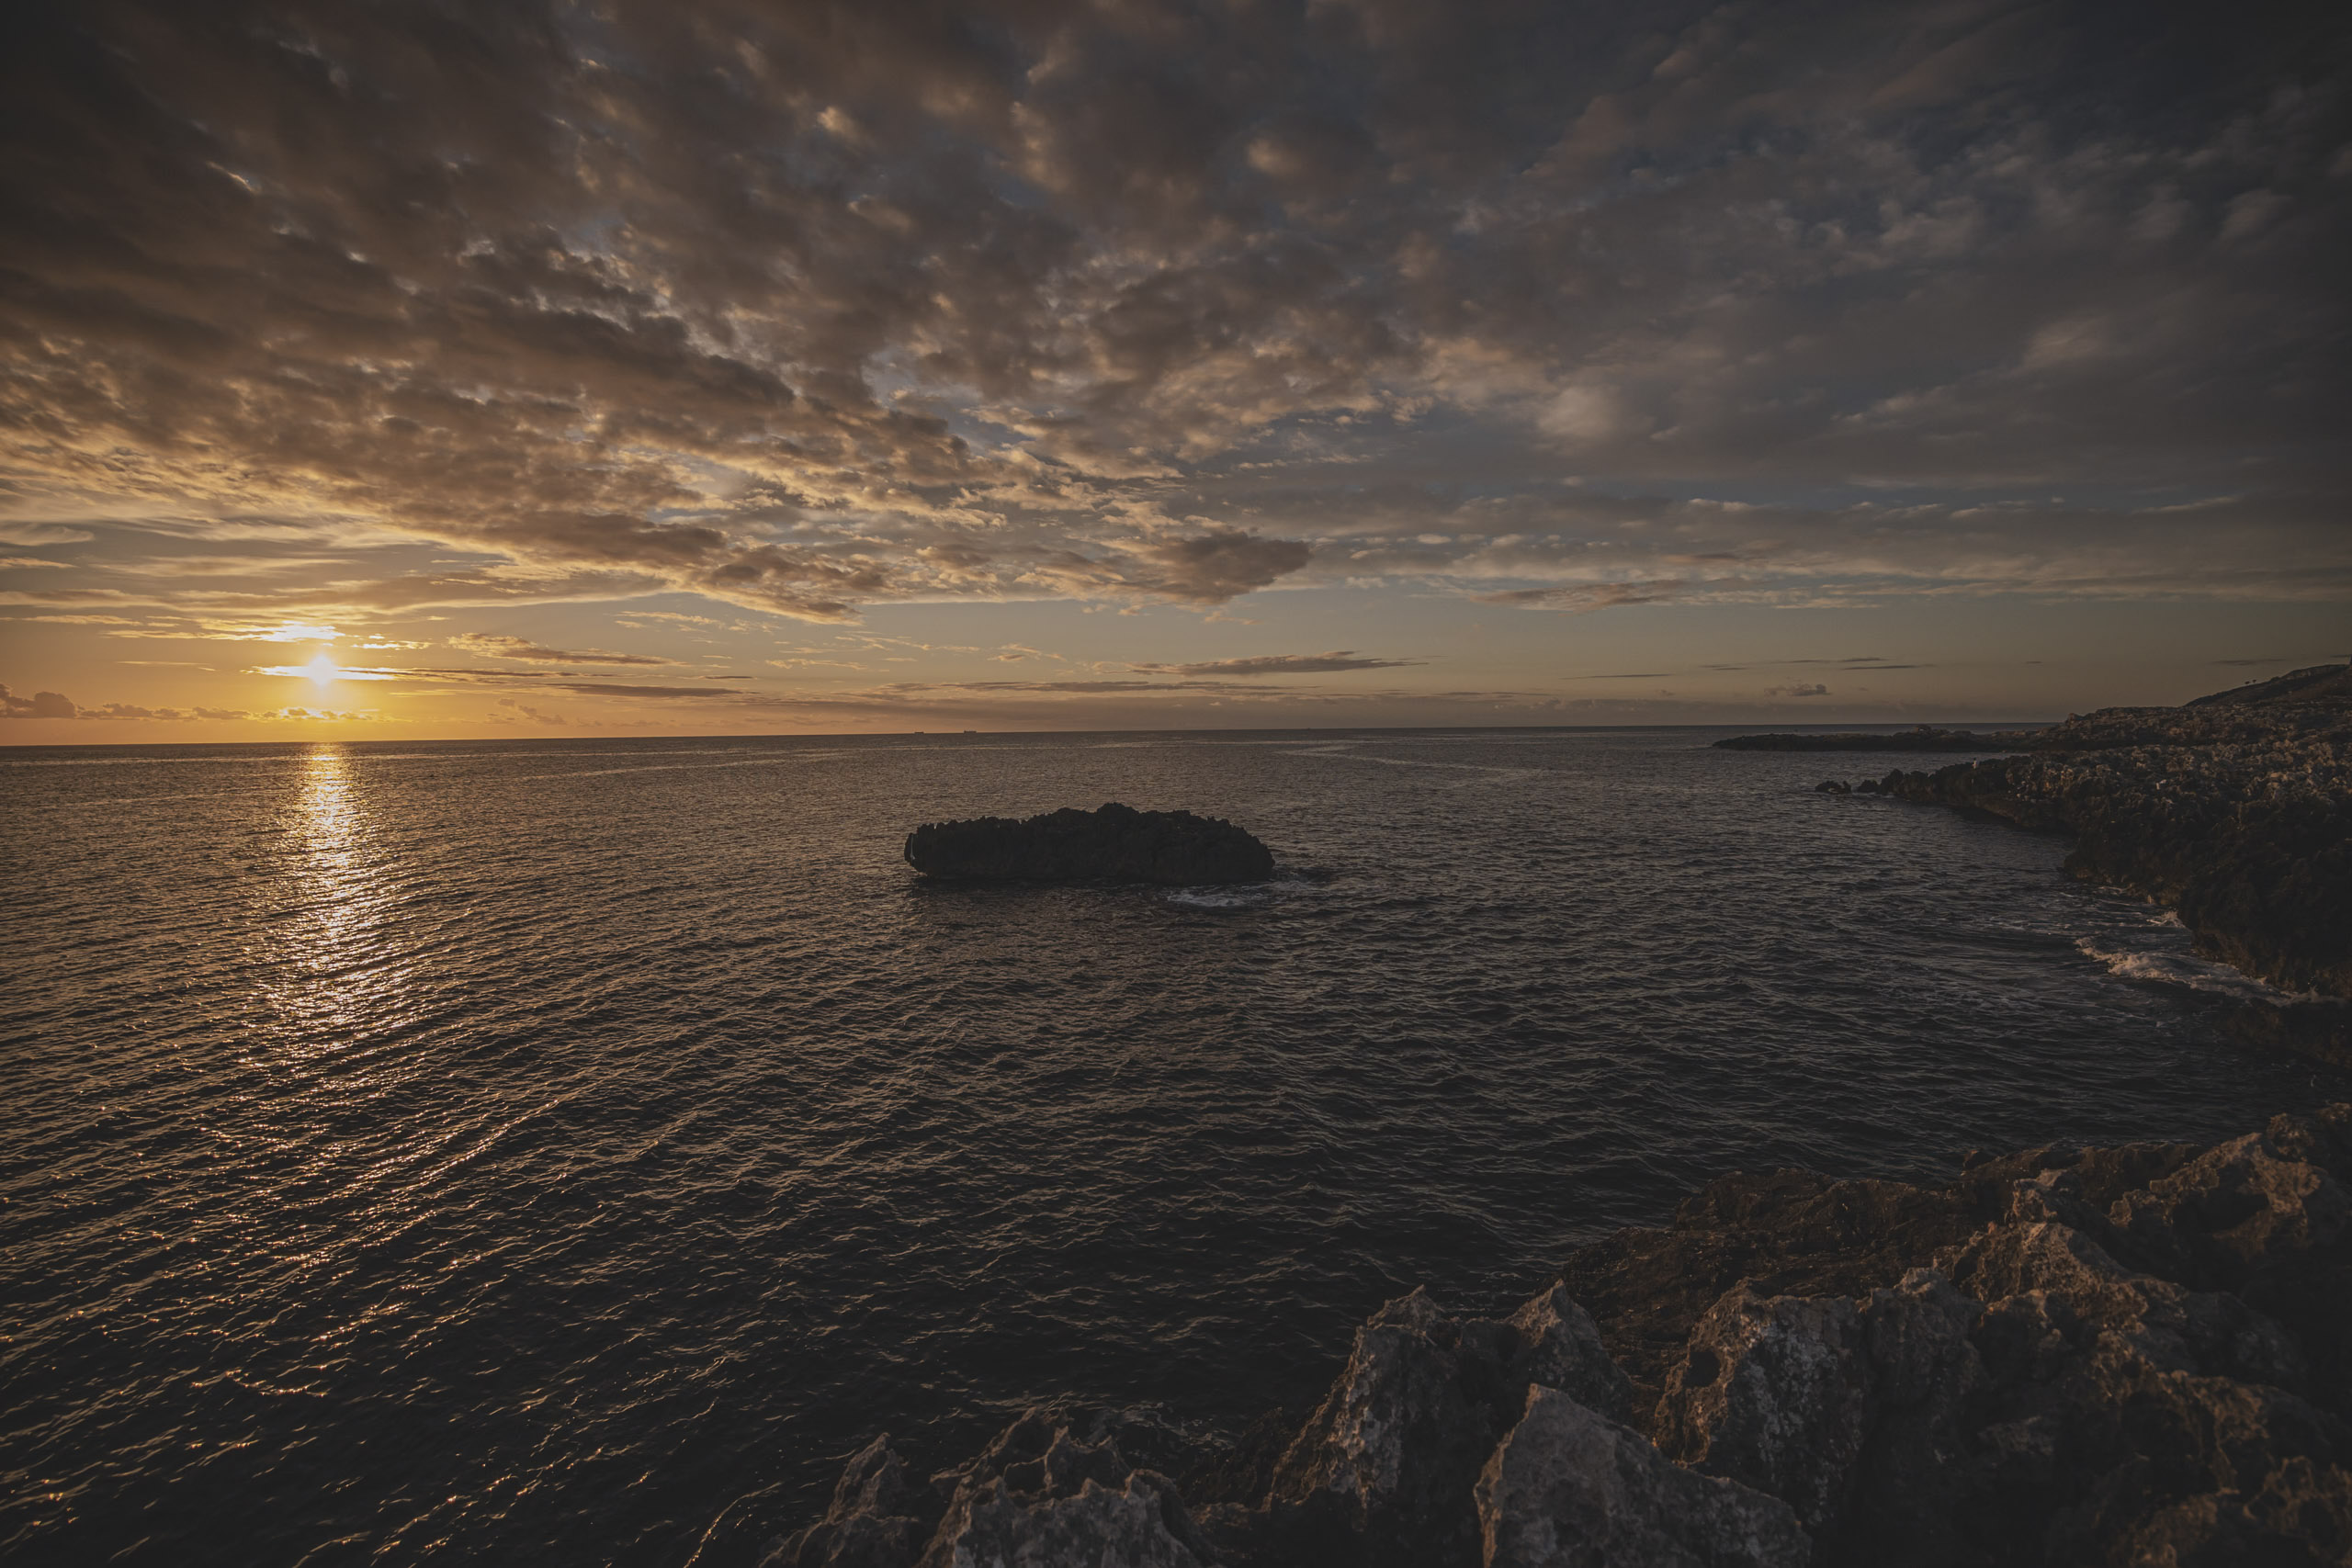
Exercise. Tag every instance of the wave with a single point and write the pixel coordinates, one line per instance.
(2156, 966)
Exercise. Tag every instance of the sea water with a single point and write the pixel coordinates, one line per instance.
(568, 1151)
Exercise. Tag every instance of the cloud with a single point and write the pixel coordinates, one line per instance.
(40, 704)
(1585, 597)
(55, 705)
(29, 532)
(1279, 664)
(1797, 689)
(1216, 566)
(536, 715)
(537, 303)
(492, 646)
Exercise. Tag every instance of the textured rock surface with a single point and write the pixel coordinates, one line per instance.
(1568, 1488)
(1774, 1392)
(2108, 1356)
(1388, 1460)
(1116, 844)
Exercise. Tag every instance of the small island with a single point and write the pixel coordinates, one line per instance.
(1116, 844)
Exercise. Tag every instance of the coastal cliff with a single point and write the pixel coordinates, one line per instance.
(2106, 1356)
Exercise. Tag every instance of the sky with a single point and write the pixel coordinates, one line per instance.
(410, 371)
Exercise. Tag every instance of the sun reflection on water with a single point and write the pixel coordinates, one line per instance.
(326, 979)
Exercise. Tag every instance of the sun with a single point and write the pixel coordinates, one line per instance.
(322, 670)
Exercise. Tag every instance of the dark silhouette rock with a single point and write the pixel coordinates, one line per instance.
(1117, 843)
(1833, 786)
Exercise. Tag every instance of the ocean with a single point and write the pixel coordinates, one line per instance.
(568, 1151)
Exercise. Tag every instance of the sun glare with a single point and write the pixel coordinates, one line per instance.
(323, 672)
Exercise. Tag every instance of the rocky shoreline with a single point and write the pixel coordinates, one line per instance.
(2234, 810)
(2108, 1356)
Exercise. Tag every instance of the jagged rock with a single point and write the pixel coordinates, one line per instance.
(1141, 1523)
(1788, 1232)
(1037, 1497)
(1382, 1472)
(1560, 1348)
(1393, 1449)
(877, 1518)
(1116, 844)
(2239, 1209)
(1924, 1370)
(1833, 786)
(2103, 1355)
(1774, 1392)
(1568, 1488)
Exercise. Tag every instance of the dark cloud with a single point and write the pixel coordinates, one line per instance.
(807, 308)
(40, 704)
(1279, 664)
(1584, 596)
(1213, 567)
(55, 705)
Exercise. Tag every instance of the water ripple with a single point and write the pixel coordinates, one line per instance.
(567, 1151)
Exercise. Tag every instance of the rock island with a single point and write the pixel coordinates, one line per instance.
(1117, 843)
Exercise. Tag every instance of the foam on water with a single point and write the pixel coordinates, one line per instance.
(2176, 966)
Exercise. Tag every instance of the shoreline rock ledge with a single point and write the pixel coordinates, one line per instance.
(1117, 843)
(2122, 1356)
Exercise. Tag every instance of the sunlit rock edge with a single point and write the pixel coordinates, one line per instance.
(2129, 1355)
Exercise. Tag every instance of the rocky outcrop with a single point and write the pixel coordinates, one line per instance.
(1117, 843)
(2234, 810)
(2251, 844)
(2118, 1356)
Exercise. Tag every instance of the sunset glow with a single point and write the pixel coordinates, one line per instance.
(1040, 370)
